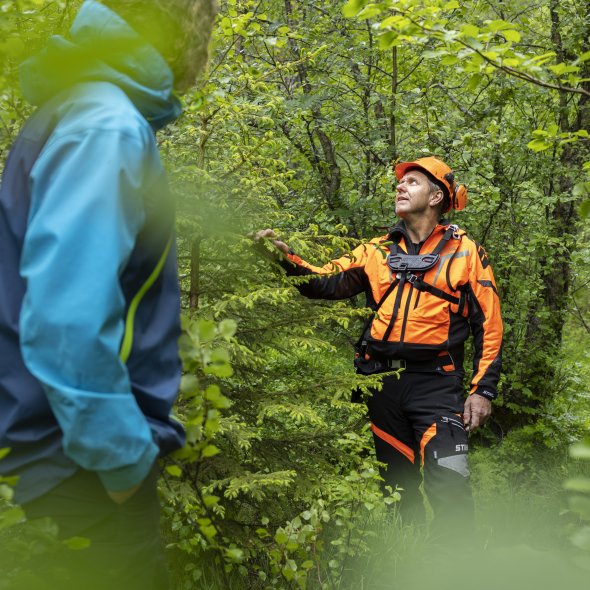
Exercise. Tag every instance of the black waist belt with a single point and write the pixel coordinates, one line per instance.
(435, 364)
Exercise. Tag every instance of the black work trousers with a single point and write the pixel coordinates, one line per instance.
(417, 422)
(125, 551)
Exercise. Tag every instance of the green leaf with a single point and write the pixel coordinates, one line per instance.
(511, 35)
(189, 384)
(452, 5)
(474, 81)
(449, 60)
(210, 451)
(470, 30)
(220, 355)
(4, 452)
(174, 470)
(352, 7)
(210, 500)
(369, 11)
(6, 492)
(77, 543)
(281, 537)
(11, 517)
(498, 25)
(388, 40)
(585, 209)
(563, 68)
(580, 189)
(288, 573)
(234, 554)
(217, 399)
(219, 370)
(538, 145)
(208, 530)
(227, 328)
(206, 329)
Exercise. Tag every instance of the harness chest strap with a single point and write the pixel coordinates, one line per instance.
(404, 274)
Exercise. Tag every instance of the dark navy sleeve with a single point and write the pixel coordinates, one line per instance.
(341, 278)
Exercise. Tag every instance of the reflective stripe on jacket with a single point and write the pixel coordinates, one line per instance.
(426, 325)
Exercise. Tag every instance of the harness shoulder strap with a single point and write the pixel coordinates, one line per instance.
(451, 232)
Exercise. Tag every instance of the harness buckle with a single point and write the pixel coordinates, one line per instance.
(411, 278)
(455, 229)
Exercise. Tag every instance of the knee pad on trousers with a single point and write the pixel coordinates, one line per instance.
(445, 445)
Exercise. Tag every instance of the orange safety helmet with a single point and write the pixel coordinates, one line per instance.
(442, 173)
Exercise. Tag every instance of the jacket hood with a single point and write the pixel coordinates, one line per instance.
(101, 46)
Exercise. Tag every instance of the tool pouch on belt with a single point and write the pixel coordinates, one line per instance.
(364, 366)
(367, 367)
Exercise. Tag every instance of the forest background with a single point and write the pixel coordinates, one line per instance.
(304, 108)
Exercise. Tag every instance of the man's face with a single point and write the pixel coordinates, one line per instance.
(414, 194)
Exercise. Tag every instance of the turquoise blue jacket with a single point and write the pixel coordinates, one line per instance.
(89, 298)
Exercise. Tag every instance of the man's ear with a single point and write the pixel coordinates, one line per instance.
(436, 198)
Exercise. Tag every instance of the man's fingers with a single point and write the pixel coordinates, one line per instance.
(269, 234)
(264, 233)
(467, 416)
(476, 412)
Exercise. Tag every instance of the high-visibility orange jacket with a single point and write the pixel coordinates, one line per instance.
(426, 324)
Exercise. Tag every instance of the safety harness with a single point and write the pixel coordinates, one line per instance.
(407, 268)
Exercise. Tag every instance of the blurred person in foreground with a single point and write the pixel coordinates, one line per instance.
(89, 297)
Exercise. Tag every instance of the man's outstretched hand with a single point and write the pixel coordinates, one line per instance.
(476, 412)
(269, 234)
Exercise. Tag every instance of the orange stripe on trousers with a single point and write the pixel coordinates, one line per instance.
(396, 444)
(429, 434)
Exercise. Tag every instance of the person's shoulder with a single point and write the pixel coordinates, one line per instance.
(475, 248)
(101, 107)
(467, 240)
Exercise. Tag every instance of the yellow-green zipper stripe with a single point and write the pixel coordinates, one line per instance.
(127, 343)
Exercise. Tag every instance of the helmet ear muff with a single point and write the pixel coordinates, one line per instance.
(460, 197)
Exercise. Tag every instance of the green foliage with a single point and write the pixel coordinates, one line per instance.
(579, 488)
(296, 125)
(24, 28)
(265, 510)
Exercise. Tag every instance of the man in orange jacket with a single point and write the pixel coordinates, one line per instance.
(428, 285)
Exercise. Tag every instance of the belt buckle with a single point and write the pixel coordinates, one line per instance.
(397, 363)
